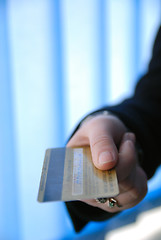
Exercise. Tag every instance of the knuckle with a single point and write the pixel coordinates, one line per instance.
(102, 139)
(135, 193)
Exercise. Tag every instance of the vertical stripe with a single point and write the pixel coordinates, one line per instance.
(137, 37)
(102, 54)
(58, 78)
(9, 212)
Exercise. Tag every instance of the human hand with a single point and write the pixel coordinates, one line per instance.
(111, 146)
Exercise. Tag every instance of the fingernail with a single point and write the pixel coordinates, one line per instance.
(105, 157)
(129, 136)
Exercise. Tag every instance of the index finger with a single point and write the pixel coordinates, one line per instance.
(127, 157)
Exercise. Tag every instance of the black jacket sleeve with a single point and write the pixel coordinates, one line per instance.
(142, 115)
(142, 112)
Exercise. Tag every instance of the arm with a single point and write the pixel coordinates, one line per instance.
(142, 115)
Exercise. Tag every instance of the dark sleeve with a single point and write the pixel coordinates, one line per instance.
(142, 115)
(82, 213)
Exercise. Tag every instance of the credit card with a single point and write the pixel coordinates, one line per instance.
(69, 174)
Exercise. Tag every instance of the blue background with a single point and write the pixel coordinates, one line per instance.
(58, 61)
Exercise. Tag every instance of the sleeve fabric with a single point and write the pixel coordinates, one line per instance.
(141, 114)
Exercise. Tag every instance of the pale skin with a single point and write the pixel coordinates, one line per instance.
(113, 146)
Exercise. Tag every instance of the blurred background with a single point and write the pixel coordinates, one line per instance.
(59, 60)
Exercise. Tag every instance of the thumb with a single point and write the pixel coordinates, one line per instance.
(103, 150)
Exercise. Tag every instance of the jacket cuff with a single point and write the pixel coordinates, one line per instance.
(82, 213)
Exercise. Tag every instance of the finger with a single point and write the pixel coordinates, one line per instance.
(79, 139)
(102, 134)
(127, 199)
(127, 157)
(136, 192)
(103, 149)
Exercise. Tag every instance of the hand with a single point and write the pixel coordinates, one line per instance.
(111, 146)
